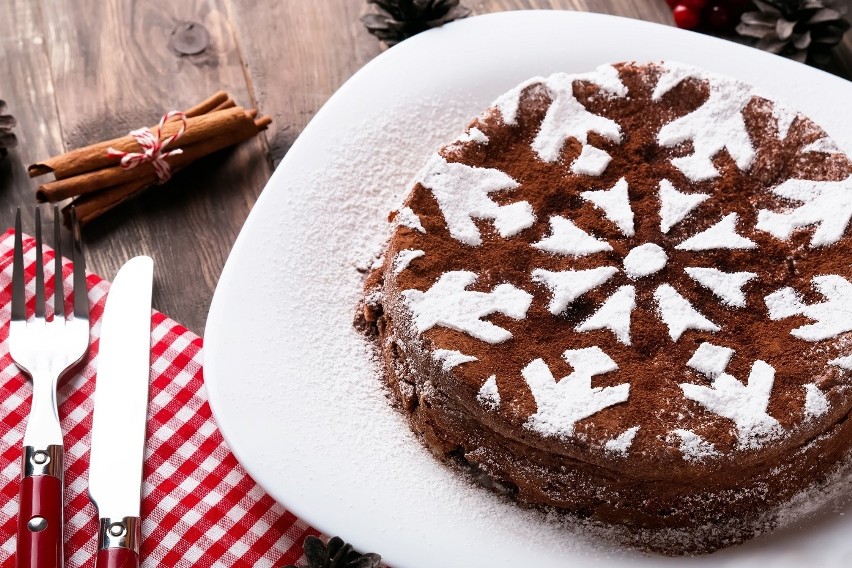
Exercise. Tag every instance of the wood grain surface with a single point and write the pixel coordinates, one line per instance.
(75, 72)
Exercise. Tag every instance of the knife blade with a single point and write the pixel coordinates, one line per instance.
(121, 406)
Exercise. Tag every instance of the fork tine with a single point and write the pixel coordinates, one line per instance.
(81, 294)
(58, 288)
(19, 306)
(39, 292)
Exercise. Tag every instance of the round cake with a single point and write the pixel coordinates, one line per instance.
(625, 294)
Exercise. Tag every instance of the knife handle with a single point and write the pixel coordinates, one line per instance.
(118, 542)
(40, 523)
(117, 558)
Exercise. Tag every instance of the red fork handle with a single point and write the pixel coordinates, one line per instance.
(117, 558)
(40, 523)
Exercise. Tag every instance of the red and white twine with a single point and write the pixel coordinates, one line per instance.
(154, 148)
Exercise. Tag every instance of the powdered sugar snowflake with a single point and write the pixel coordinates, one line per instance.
(561, 403)
(745, 405)
(675, 311)
(826, 204)
(833, 316)
(568, 118)
(715, 125)
(448, 303)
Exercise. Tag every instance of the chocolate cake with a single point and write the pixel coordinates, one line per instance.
(624, 294)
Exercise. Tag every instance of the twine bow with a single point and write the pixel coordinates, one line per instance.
(153, 148)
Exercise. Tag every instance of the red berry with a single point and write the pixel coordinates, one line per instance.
(719, 17)
(695, 5)
(685, 18)
(672, 3)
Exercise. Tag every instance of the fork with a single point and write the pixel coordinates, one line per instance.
(44, 350)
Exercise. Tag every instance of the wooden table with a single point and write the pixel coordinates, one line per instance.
(79, 71)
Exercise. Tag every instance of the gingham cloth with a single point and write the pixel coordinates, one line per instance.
(199, 507)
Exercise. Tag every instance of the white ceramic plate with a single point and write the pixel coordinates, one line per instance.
(290, 381)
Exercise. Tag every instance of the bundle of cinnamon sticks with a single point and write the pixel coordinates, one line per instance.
(96, 181)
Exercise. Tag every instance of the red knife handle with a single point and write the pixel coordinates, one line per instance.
(40, 522)
(118, 542)
(117, 558)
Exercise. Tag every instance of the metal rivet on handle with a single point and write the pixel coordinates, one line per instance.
(116, 529)
(41, 457)
(37, 524)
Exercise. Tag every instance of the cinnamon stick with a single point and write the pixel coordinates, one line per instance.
(262, 123)
(144, 173)
(227, 103)
(212, 103)
(79, 160)
(92, 205)
(93, 158)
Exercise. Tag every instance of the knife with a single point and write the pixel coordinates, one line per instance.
(121, 407)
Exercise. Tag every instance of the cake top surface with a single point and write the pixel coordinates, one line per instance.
(641, 261)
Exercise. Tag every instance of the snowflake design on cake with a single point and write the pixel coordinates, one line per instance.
(596, 274)
(826, 204)
(450, 304)
(832, 317)
(722, 112)
(562, 403)
(744, 404)
(463, 195)
(568, 118)
(675, 311)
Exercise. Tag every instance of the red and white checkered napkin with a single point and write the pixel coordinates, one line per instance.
(199, 507)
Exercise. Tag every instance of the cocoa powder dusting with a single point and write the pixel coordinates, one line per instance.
(653, 364)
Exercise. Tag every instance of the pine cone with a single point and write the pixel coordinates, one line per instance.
(397, 20)
(7, 137)
(804, 30)
(337, 554)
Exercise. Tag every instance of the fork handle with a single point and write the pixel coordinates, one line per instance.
(40, 523)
